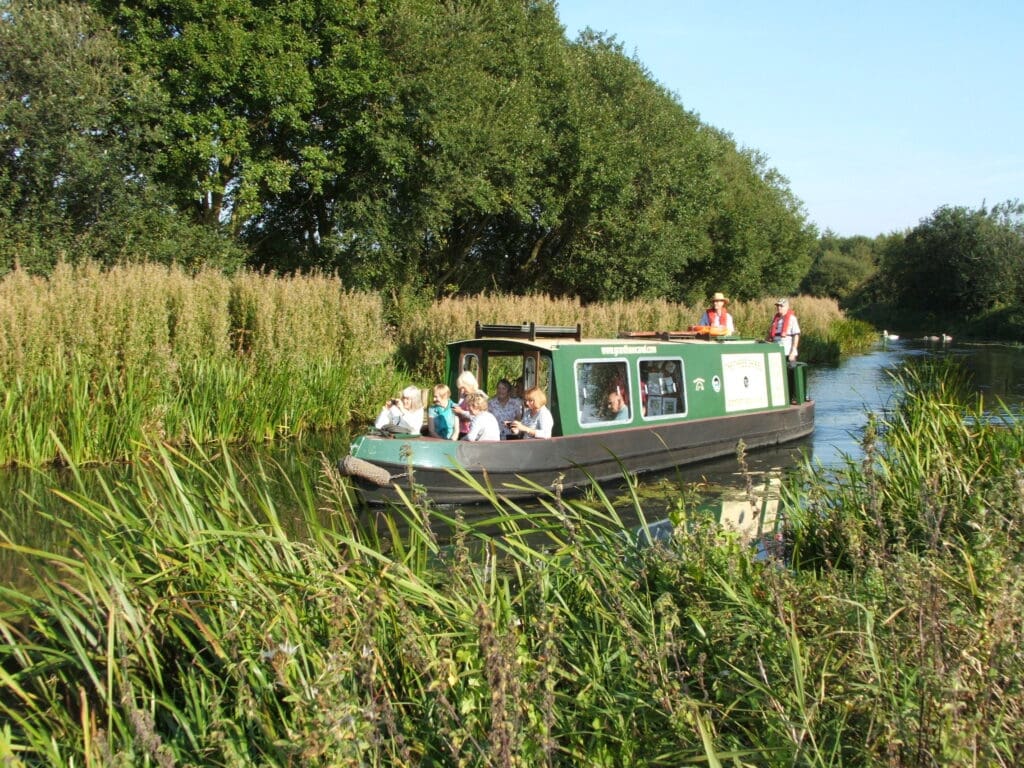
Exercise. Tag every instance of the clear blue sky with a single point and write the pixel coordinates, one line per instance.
(877, 112)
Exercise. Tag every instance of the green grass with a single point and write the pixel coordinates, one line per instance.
(179, 621)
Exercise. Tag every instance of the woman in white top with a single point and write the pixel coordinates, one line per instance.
(537, 420)
(402, 415)
(484, 427)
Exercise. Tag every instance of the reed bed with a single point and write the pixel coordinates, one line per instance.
(182, 624)
(98, 363)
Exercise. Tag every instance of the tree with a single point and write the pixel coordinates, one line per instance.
(633, 174)
(760, 239)
(841, 265)
(451, 146)
(968, 259)
(75, 121)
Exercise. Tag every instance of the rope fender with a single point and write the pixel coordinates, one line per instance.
(354, 467)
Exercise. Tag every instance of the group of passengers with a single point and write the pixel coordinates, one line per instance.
(475, 416)
(507, 417)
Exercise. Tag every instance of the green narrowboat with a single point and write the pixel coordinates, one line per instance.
(690, 397)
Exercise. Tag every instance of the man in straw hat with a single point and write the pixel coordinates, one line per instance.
(717, 316)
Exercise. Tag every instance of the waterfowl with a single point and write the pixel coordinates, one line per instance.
(889, 336)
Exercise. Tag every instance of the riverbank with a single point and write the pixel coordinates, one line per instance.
(189, 627)
(98, 365)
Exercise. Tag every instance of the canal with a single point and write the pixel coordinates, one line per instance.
(844, 396)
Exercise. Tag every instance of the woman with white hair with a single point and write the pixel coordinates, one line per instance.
(402, 415)
(467, 385)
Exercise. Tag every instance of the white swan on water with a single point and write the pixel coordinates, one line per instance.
(889, 336)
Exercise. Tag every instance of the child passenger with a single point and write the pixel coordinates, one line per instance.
(441, 419)
(484, 426)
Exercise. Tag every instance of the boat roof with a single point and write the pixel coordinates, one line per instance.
(555, 336)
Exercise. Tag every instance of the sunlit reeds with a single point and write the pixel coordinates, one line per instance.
(182, 624)
(104, 361)
(179, 622)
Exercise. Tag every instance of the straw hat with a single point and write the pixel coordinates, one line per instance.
(719, 296)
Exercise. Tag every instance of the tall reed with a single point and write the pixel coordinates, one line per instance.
(104, 361)
(182, 623)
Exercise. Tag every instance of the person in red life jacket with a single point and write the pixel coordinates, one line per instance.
(717, 316)
(785, 329)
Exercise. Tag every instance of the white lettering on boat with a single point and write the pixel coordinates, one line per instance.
(647, 349)
(745, 382)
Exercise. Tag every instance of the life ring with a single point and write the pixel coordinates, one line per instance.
(354, 467)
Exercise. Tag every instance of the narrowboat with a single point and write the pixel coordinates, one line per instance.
(690, 396)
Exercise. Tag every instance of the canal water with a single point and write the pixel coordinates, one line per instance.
(844, 395)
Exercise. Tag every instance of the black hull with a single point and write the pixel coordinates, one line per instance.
(573, 461)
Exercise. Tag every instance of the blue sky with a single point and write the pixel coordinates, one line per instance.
(877, 112)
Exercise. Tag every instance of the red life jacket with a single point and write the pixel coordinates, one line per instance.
(716, 320)
(786, 319)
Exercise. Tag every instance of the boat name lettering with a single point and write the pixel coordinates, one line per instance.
(629, 349)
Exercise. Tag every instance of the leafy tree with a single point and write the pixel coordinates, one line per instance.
(970, 260)
(236, 78)
(75, 121)
(473, 141)
(841, 265)
(634, 170)
(449, 146)
(760, 239)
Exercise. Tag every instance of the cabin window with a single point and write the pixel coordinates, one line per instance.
(471, 362)
(503, 365)
(529, 372)
(602, 391)
(661, 387)
(522, 370)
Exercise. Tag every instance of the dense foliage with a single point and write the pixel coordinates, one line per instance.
(451, 146)
(171, 619)
(958, 270)
(968, 260)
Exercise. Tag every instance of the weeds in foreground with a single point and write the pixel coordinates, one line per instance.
(183, 625)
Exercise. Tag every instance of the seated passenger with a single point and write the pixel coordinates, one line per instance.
(505, 407)
(402, 415)
(537, 420)
(615, 407)
(441, 419)
(483, 425)
(466, 384)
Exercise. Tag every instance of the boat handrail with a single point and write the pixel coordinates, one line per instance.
(666, 335)
(529, 331)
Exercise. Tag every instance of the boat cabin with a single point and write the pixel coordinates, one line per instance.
(636, 379)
